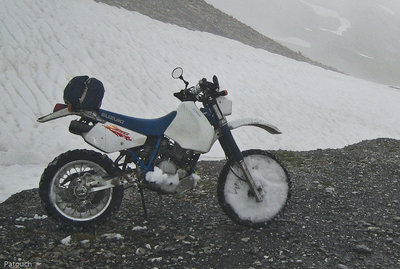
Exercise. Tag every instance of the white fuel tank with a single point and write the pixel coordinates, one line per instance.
(191, 129)
(112, 138)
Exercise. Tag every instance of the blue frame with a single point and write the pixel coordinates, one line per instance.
(153, 127)
(149, 166)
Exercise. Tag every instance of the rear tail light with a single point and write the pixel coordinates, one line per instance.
(58, 107)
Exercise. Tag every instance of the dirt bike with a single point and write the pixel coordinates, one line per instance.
(84, 188)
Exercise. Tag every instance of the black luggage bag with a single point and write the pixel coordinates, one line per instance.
(84, 93)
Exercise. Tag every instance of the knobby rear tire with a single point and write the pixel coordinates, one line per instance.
(236, 198)
(61, 191)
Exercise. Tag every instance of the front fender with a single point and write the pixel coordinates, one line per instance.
(254, 122)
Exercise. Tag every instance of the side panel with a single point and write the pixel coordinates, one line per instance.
(191, 129)
(112, 138)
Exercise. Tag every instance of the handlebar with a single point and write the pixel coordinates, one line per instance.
(183, 95)
(203, 91)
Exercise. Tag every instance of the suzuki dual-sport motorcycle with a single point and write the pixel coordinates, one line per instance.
(83, 188)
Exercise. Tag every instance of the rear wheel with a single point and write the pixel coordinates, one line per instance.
(238, 201)
(64, 189)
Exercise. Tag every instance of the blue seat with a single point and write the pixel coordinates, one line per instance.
(153, 127)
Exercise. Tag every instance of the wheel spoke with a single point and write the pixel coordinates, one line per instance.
(70, 198)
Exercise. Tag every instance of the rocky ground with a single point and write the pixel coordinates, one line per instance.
(344, 213)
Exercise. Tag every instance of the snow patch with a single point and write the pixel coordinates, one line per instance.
(268, 175)
(365, 56)
(110, 236)
(321, 11)
(196, 179)
(344, 24)
(158, 259)
(66, 241)
(313, 108)
(294, 41)
(35, 217)
(387, 10)
(139, 228)
(165, 181)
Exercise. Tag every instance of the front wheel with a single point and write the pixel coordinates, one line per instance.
(66, 196)
(238, 201)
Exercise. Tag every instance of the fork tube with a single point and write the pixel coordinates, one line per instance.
(229, 145)
(233, 152)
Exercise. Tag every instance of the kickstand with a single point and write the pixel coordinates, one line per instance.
(143, 202)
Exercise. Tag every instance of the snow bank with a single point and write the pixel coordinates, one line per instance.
(44, 43)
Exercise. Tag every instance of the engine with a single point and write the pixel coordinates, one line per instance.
(173, 169)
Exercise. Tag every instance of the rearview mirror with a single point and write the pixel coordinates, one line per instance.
(177, 72)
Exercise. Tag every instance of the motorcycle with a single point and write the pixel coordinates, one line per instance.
(84, 188)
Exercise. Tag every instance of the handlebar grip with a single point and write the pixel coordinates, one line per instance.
(218, 94)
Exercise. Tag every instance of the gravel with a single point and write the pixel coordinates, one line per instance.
(344, 212)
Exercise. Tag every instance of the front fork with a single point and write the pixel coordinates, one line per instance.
(232, 151)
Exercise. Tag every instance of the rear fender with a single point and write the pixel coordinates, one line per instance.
(256, 123)
(61, 110)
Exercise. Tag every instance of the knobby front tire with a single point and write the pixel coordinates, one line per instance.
(237, 200)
